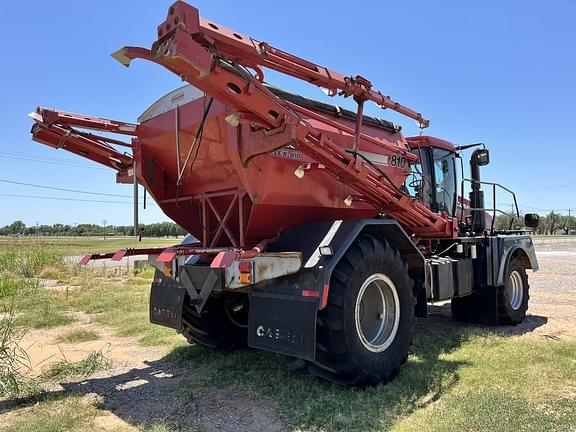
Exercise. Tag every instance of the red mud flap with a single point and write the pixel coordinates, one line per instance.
(283, 324)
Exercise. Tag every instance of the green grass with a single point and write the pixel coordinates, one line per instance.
(456, 379)
(71, 414)
(123, 306)
(11, 285)
(94, 361)
(114, 297)
(44, 315)
(82, 245)
(57, 415)
(510, 384)
(78, 336)
(27, 262)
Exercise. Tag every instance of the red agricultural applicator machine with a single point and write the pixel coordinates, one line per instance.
(318, 232)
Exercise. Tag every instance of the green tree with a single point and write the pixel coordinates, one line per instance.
(17, 227)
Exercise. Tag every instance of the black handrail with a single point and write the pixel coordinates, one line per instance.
(493, 209)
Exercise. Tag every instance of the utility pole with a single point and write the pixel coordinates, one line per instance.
(512, 216)
(135, 199)
(104, 223)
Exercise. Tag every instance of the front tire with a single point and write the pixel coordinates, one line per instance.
(364, 333)
(513, 297)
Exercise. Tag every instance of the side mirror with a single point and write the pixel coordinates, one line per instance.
(482, 157)
(531, 220)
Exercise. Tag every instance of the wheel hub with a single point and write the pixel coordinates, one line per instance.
(515, 289)
(377, 312)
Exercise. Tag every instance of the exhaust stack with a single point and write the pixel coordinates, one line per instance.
(480, 157)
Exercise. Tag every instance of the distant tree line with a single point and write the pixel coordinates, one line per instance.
(162, 229)
(551, 224)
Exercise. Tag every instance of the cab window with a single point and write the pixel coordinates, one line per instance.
(444, 181)
(418, 182)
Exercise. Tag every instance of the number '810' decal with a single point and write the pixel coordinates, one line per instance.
(398, 161)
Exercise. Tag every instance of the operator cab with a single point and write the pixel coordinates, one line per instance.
(433, 179)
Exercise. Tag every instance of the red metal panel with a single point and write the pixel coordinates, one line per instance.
(187, 56)
(234, 184)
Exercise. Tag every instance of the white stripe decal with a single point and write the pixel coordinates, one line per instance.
(376, 158)
(313, 260)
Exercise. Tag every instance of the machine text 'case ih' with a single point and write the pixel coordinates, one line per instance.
(316, 232)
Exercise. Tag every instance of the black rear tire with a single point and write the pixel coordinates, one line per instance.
(513, 296)
(347, 355)
(222, 324)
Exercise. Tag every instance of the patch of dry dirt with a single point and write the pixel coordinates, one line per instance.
(140, 388)
(43, 348)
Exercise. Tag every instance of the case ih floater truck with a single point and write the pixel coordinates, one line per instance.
(318, 232)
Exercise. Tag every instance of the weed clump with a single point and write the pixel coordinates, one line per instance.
(77, 336)
(94, 361)
(13, 358)
(27, 263)
(18, 269)
(11, 285)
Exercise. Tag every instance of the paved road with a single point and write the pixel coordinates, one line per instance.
(127, 262)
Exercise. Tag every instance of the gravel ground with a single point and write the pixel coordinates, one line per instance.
(553, 293)
(552, 304)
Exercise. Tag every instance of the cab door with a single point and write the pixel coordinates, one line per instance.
(433, 179)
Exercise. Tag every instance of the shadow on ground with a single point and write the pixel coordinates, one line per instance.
(252, 390)
(441, 315)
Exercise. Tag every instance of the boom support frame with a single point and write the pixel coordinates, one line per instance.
(215, 60)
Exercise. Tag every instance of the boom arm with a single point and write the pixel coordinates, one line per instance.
(214, 59)
(253, 53)
(242, 49)
(55, 128)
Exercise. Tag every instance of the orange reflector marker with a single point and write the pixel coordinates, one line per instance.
(245, 278)
(167, 270)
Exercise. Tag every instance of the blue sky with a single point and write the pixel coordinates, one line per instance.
(500, 72)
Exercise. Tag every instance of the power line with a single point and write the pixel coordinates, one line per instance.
(48, 161)
(35, 156)
(64, 189)
(522, 206)
(74, 161)
(71, 199)
(64, 199)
